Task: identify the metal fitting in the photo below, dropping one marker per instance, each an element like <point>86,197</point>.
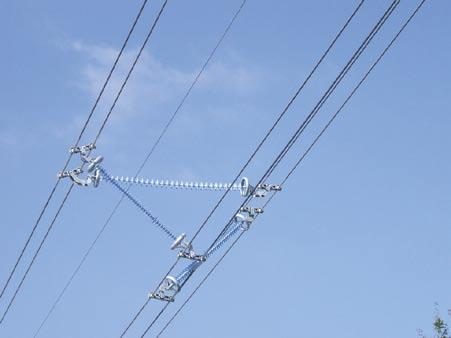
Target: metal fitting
<point>192,255</point>
<point>246,216</point>
<point>167,290</point>
<point>246,189</point>
<point>186,249</point>
<point>93,177</point>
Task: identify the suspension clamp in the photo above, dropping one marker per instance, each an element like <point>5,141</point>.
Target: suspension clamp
<point>167,290</point>
<point>93,177</point>
<point>246,216</point>
<point>186,249</point>
<point>158,296</point>
<point>191,255</point>
<point>83,150</point>
<point>259,191</point>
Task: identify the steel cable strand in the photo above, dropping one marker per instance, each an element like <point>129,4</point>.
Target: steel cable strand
<point>135,61</point>
<point>301,158</point>
<point>335,115</point>
<point>324,98</point>
<point>281,115</point>
<point>35,255</point>
<point>317,107</point>
<point>98,135</point>
<point>107,80</point>
<point>117,205</point>
<point>320,103</point>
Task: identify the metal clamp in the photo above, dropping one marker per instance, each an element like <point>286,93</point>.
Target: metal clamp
<point>93,176</point>
<point>83,150</point>
<point>167,290</point>
<point>246,189</point>
<point>192,255</point>
<point>158,296</point>
<point>246,216</point>
<point>186,249</point>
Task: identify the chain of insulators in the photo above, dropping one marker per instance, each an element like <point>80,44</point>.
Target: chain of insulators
<point>154,220</point>
<point>189,270</point>
<point>174,184</point>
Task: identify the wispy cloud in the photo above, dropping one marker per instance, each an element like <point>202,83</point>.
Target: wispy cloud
<point>154,83</point>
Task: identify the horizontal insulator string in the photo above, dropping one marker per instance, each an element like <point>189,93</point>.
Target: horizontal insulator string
<point>173,184</point>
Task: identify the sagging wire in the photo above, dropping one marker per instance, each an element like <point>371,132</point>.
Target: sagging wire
<point>264,139</point>
<point>324,129</point>
<point>104,122</point>
<point>147,157</point>
<point>320,103</point>
<point>93,108</point>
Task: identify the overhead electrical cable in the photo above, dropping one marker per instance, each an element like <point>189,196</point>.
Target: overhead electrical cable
<point>146,159</point>
<point>35,255</point>
<point>97,136</point>
<point>320,103</point>
<point>135,61</point>
<point>107,80</point>
<point>282,114</point>
<point>331,120</point>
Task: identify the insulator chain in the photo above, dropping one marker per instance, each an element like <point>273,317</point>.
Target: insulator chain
<point>242,221</point>
<point>243,187</point>
<point>94,176</point>
<point>172,285</point>
<point>154,219</point>
<point>176,184</point>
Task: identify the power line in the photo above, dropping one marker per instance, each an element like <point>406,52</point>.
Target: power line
<point>124,83</point>
<point>331,120</point>
<point>36,253</point>
<point>282,114</point>
<point>97,136</point>
<point>197,287</point>
<point>304,124</point>
<point>147,157</point>
<point>299,90</point>
<point>107,80</point>
<point>320,103</point>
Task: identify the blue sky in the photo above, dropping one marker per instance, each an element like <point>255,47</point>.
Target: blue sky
<point>357,243</point>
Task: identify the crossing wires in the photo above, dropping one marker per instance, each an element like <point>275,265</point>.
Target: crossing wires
<point>308,119</point>
<point>300,160</point>
<point>144,162</point>
<point>278,119</point>
<point>124,82</point>
<point>91,112</point>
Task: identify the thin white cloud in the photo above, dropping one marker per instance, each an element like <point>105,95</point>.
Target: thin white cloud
<point>153,83</point>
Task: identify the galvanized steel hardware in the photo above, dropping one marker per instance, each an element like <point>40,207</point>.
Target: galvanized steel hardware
<point>246,189</point>
<point>167,290</point>
<point>93,173</point>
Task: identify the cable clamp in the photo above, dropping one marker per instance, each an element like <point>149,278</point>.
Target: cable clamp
<point>83,150</point>
<point>93,177</point>
<point>167,290</point>
<point>192,255</point>
<point>246,216</point>
<point>246,189</point>
<point>186,249</point>
<point>158,296</point>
